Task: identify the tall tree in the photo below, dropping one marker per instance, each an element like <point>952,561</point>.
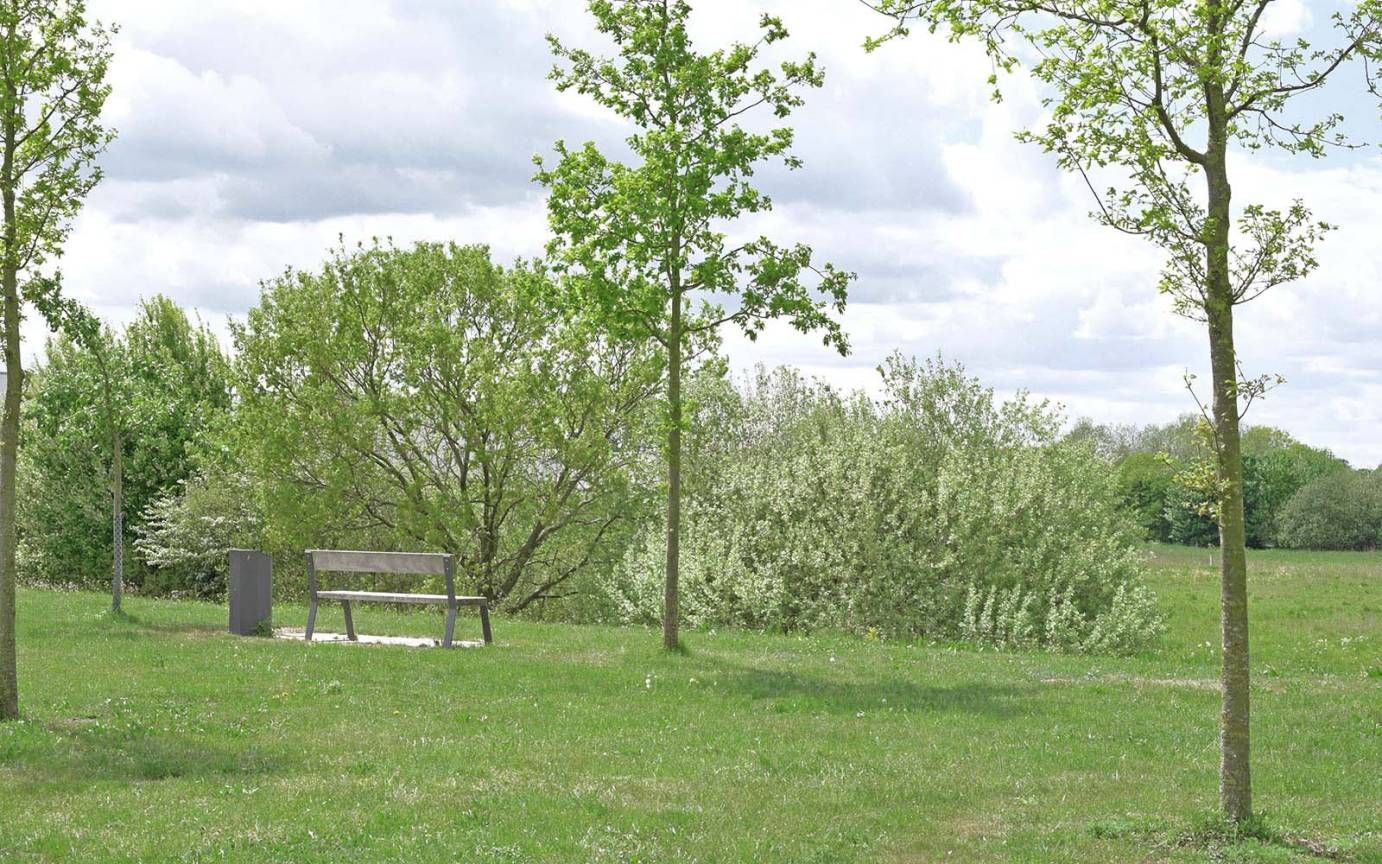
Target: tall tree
<point>115,425</point>
<point>52,87</point>
<point>1158,93</point>
<point>109,361</point>
<point>639,243</point>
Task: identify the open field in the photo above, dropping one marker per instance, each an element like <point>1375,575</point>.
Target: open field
<point>158,738</point>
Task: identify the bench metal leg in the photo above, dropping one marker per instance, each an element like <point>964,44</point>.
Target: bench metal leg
<point>484,623</point>
<point>311,618</point>
<point>350,622</point>
<point>450,625</point>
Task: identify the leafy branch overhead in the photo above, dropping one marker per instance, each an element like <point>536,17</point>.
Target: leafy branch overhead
<point>1131,83</point>
<point>623,232</point>
<point>54,76</point>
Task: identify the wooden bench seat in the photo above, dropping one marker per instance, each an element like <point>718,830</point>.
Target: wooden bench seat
<point>388,597</point>
<point>398,563</point>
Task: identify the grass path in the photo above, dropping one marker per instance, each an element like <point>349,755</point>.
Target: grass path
<point>159,738</point>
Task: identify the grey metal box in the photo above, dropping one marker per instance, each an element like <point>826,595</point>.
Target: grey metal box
<point>251,591</point>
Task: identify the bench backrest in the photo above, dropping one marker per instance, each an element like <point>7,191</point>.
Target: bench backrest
<point>419,563</point>
<point>398,563</point>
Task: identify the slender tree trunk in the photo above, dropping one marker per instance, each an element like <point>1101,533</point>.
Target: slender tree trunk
<point>117,523</point>
<point>117,480</point>
<point>670,639</point>
<point>9,446</point>
<point>9,441</point>
<point>1235,776</point>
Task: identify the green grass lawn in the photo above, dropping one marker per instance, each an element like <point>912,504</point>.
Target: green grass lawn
<point>160,738</point>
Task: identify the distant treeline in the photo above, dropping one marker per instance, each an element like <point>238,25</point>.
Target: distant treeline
<point>1295,495</point>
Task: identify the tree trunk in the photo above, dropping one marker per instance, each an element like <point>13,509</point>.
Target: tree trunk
<point>9,445</point>
<point>117,526</point>
<point>117,479</point>
<point>1235,777</point>
<point>670,638</point>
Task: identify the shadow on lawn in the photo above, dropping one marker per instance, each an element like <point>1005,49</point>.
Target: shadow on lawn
<point>132,623</point>
<point>998,701</point>
<point>90,753</point>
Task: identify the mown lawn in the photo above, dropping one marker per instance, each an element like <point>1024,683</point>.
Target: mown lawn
<point>160,738</point>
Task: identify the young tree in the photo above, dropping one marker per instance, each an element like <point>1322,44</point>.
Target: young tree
<point>108,360</point>
<point>110,423</point>
<point>52,87</point>
<point>1159,93</point>
<point>105,351</point>
<point>638,243</point>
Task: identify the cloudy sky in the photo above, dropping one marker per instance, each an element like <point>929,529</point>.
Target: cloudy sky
<point>253,133</point>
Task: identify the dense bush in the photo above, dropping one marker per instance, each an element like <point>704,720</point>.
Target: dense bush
<point>1340,510</point>
<point>169,381</point>
<point>935,512</point>
<point>185,533</point>
<point>1273,474</point>
<point>1187,517</point>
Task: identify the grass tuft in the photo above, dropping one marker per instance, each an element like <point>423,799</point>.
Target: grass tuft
<point>1214,828</point>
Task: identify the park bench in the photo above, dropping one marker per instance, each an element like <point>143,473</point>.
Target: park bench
<point>397,563</point>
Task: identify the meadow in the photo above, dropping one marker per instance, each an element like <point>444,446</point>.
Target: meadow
<point>155,736</point>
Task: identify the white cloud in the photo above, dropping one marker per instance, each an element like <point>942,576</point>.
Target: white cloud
<point>173,119</point>
<point>1286,18</point>
<point>1114,315</point>
<point>254,132</point>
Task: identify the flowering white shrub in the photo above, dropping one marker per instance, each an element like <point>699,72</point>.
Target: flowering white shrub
<point>185,534</point>
<point>935,512</point>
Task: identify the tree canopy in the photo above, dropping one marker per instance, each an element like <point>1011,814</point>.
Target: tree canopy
<point>426,398</point>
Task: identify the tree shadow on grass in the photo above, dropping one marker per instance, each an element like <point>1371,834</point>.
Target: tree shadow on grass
<point>119,625</point>
<point>128,622</point>
<point>872,694</point>
<point>83,751</point>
